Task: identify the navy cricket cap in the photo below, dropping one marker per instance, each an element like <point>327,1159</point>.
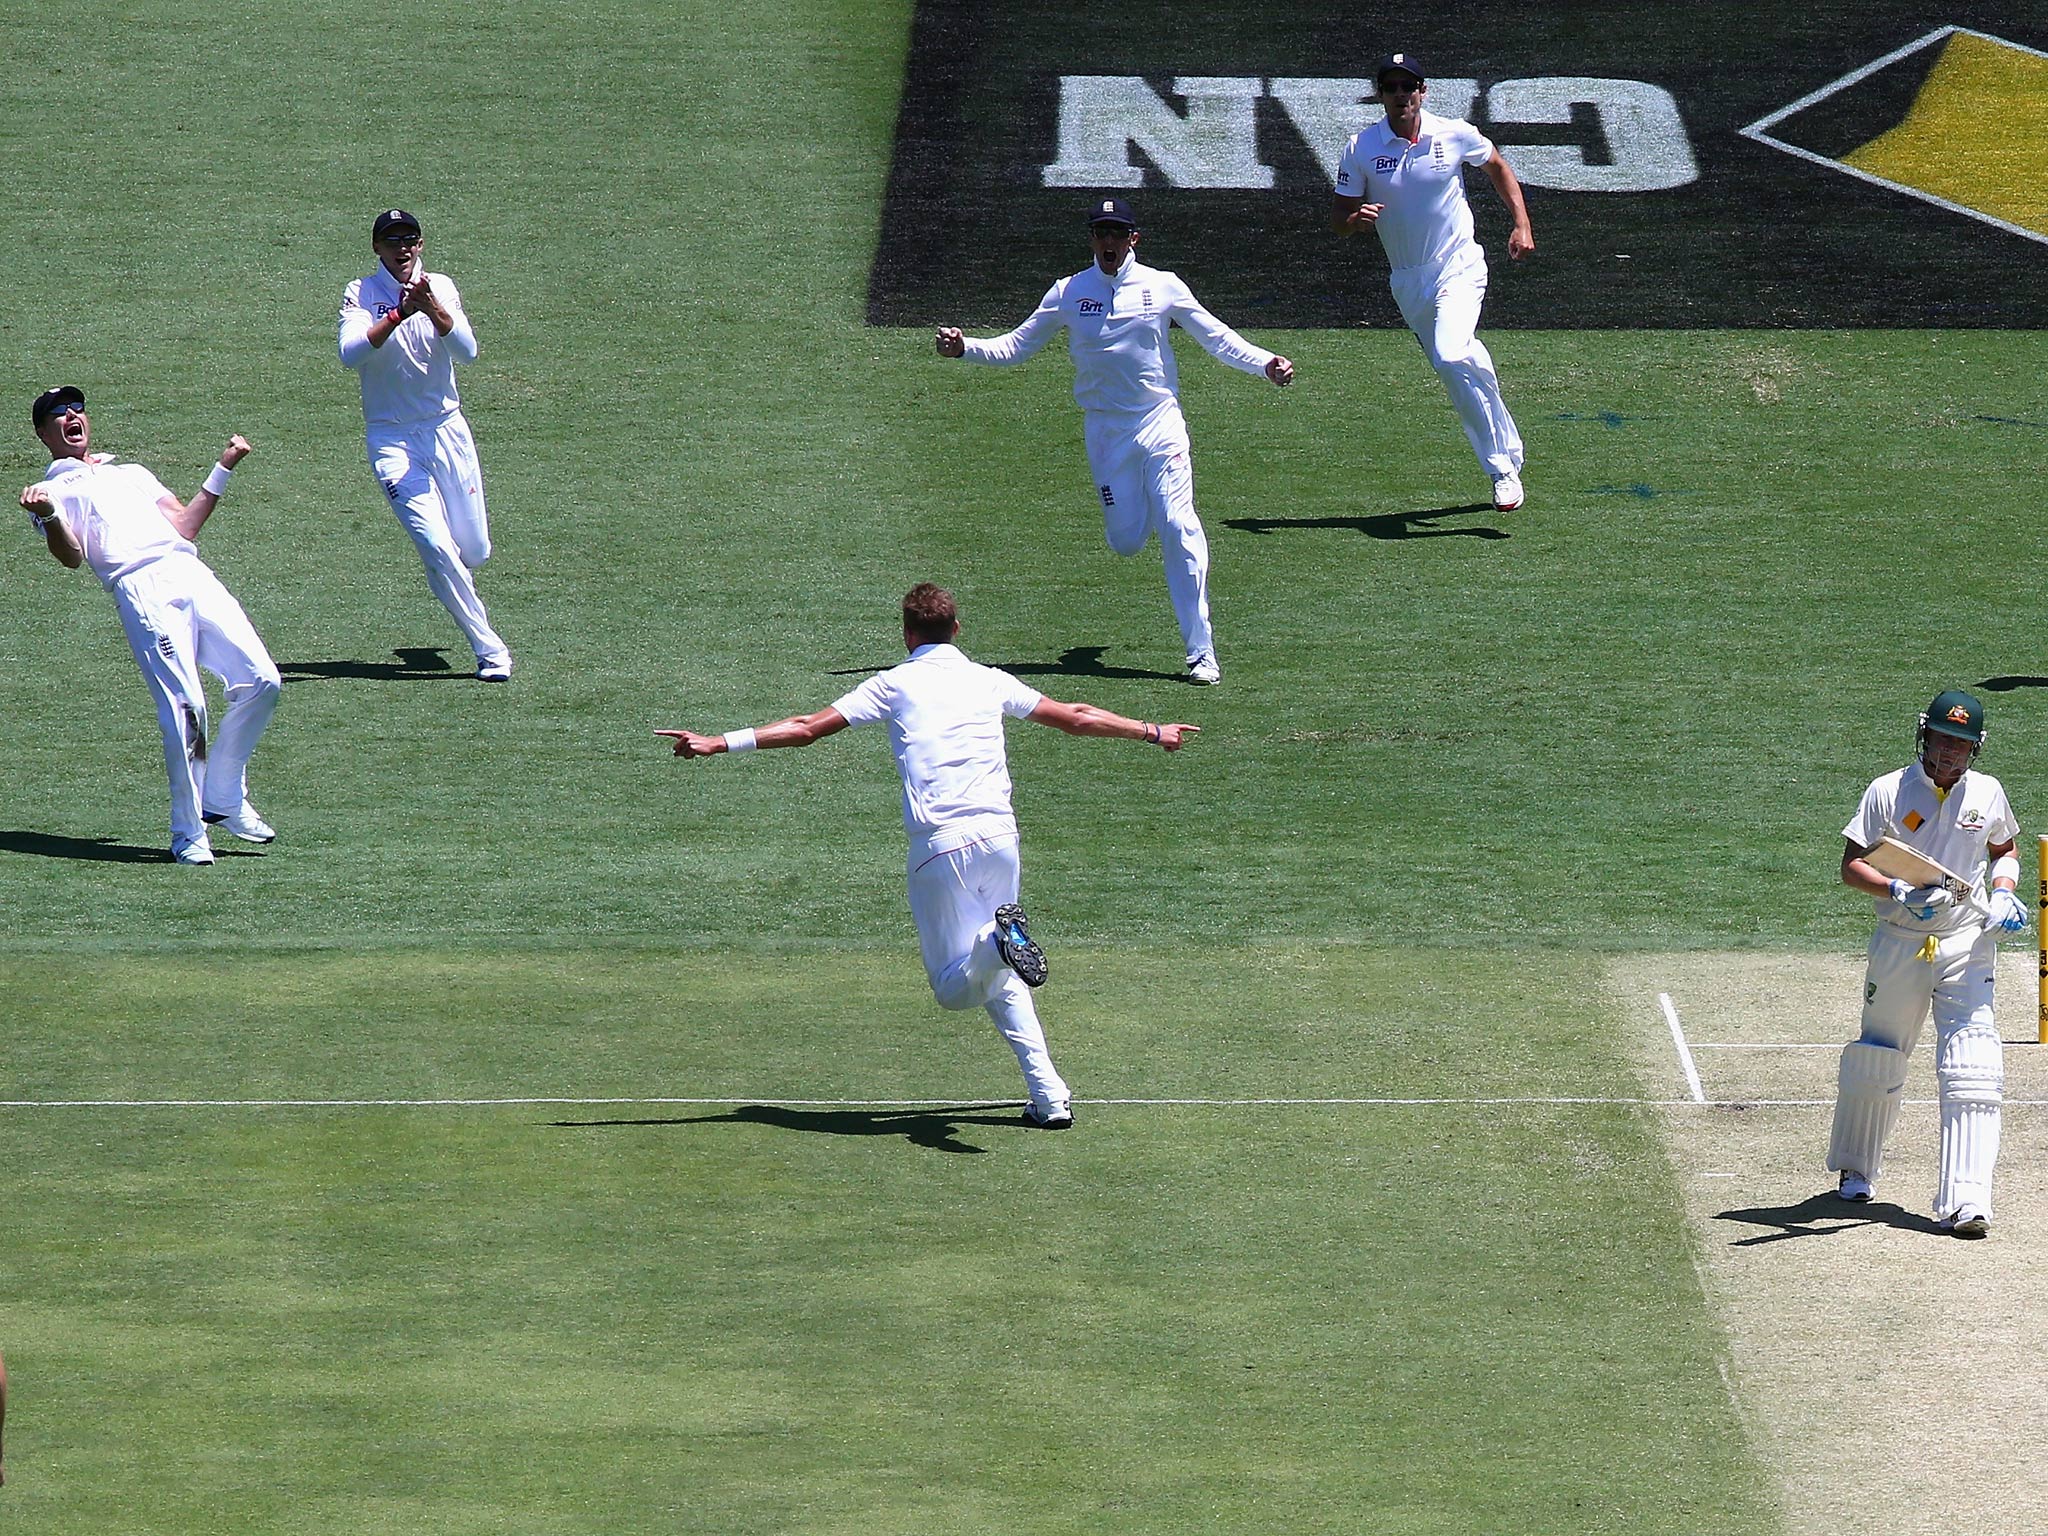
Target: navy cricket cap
<point>51,400</point>
<point>1399,64</point>
<point>1111,210</point>
<point>393,218</point>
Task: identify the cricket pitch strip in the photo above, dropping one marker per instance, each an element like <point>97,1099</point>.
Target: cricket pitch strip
<point>1887,1371</point>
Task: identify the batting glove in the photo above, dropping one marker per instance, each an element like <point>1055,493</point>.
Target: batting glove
<point>1923,901</point>
<point>2008,911</point>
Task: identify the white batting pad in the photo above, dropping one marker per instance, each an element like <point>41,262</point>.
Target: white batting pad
<point>1867,1095</point>
<point>1971,1070</point>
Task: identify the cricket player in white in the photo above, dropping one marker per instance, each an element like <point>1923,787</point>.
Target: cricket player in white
<point>403,330</point>
<point>119,520</point>
<point>945,717</point>
<point>1404,176</point>
<point>1932,949</point>
<point>1117,314</point>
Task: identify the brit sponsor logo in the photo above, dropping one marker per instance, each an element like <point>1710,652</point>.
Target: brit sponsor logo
<point>1091,307</point>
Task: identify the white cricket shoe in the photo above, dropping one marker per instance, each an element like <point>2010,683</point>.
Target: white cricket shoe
<point>494,669</point>
<point>1853,1187</point>
<point>242,822</point>
<point>1507,492</point>
<point>1052,1117</point>
<point>1968,1221</point>
<point>1204,670</point>
<point>192,850</point>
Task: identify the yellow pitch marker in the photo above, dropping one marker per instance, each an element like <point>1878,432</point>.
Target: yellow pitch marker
<point>1977,134</point>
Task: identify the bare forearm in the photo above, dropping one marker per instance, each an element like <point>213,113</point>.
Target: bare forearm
<point>1093,720</point>
<point>197,511</point>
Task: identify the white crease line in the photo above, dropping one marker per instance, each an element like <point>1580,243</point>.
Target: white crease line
<point>1526,1101</point>
<point>1692,1073</point>
<point>1754,1045</point>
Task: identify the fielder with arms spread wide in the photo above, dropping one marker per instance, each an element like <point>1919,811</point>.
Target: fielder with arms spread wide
<point>945,718</point>
<point>1934,949</point>
<point>1117,313</point>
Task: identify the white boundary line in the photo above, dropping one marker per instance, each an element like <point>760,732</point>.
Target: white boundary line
<point>1692,1072</point>
<point>1759,130</point>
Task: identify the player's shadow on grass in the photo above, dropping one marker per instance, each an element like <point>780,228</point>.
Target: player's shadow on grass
<point>1823,1215</point>
<point>1420,524</point>
<point>2008,684</point>
<point>414,662</point>
<point>53,845</point>
<point>935,1129</point>
<point>1074,661</point>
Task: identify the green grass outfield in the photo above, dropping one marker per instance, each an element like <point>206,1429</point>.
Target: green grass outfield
<point>1447,773</point>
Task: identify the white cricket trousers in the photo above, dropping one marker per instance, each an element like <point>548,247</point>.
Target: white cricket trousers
<point>1147,484</point>
<point>1910,974</point>
<point>429,471</point>
<point>953,899</point>
<point>1440,301</point>
<point>179,618</point>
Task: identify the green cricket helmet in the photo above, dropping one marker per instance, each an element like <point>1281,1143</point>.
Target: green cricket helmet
<point>1953,713</point>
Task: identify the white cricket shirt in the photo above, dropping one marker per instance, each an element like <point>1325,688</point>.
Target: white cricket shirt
<point>1422,185</point>
<point>1954,831</point>
<point>1117,334</point>
<point>410,378</point>
<point>945,716</point>
<point>111,510</point>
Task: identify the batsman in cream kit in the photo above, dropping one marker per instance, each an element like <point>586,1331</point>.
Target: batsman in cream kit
<point>1935,949</point>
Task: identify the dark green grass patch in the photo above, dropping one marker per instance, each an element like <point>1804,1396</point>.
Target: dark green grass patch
<point>752,1317</point>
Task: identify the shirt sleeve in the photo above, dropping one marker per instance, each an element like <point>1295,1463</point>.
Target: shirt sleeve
<point>355,326</point>
<point>1018,698</point>
<point>154,488</point>
<point>2003,826</point>
<point>1474,147</point>
<point>1015,346</point>
<point>1872,816</point>
<point>868,704</point>
<point>462,340</point>
<point>1216,338</point>
<point>1351,169</point>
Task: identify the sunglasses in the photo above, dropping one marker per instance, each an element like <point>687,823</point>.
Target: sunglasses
<point>68,408</point>
<point>1403,86</point>
<point>403,242</point>
<point>1110,231</point>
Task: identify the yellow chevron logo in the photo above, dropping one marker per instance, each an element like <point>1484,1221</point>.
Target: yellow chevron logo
<point>1977,134</point>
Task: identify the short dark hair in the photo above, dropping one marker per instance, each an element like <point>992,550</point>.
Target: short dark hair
<point>930,614</point>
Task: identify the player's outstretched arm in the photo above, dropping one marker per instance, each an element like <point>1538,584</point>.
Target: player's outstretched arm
<point>1521,239</point>
<point>796,731</point>
<point>1091,720</point>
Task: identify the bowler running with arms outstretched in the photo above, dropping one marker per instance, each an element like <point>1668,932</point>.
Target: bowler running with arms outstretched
<point>945,718</point>
<point>403,330</point>
<point>1404,178</point>
<point>1117,315</point>
<point>1935,950</point>
<point>121,522</point>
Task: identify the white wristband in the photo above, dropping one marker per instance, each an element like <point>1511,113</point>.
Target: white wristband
<point>739,741</point>
<point>217,480</point>
<point>2006,867</point>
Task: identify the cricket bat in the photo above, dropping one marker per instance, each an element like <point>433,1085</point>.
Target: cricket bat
<point>1896,861</point>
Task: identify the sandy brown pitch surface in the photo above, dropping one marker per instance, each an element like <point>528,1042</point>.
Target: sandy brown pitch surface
<point>1895,1376</point>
